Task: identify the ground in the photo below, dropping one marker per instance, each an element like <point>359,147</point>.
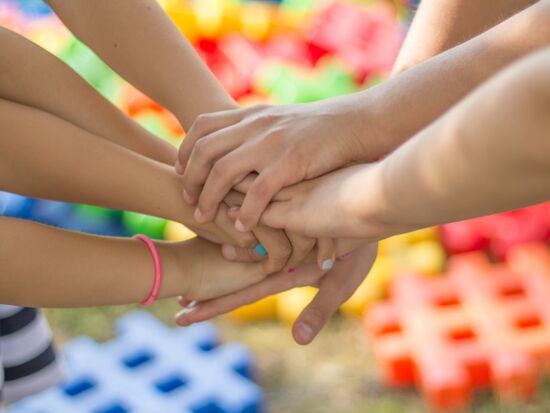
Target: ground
<point>335,374</point>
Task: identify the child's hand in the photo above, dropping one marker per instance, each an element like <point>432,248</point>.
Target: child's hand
<point>334,289</point>
<point>286,250</point>
<point>332,205</point>
<point>207,273</point>
<point>284,144</point>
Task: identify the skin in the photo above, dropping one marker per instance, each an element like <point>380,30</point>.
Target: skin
<point>428,37</point>
<point>140,42</point>
<point>498,134</point>
<point>288,144</point>
<point>71,269</point>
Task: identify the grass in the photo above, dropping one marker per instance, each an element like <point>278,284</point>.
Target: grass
<point>335,374</point>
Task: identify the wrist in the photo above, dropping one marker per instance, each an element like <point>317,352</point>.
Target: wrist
<point>365,135</point>
<point>175,279</point>
<point>376,212</point>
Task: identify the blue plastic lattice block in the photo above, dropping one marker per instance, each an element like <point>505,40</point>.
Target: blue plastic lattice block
<point>150,368</point>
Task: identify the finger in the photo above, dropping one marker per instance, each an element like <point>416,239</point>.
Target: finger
<point>234,253</point>
<point>204,154</point>
<point>277,246</point>
<point>301,247</point>
<point>204,125</point>
<point>245,184</point>
<point>326,253</point>
<point>227,225</point>
<point>226,172</point>
<point>276,283</point>
<point>259,195</point>
<point>335,288</point>
<point>277,214</point>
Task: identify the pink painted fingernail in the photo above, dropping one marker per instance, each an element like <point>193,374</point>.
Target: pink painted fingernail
<point>345,256</point>
<point>293,269</point>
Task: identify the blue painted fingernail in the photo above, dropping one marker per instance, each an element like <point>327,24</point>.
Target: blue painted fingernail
<point>327,264</point>
<point>260,249</point>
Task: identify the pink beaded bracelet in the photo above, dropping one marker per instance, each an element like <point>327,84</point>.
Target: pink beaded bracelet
<point>158,269</point>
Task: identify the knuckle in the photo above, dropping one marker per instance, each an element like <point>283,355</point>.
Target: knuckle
<point>202,121</point>
<point>262,189</point>
<point>219,169</point>
<point>201,148</point>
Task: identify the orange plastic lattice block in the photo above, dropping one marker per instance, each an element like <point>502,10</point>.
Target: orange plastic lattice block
<point>480,325</point>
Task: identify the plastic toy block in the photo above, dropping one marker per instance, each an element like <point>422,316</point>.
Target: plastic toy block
<point>498,233</point>
<point>367,39</point>
<point>148,368</point>
<point>288,83</point>
<point>136,223</point>
<point>481,325</point>
<point>174,231</point>
<point>292,302</point>
<point>260,310</point>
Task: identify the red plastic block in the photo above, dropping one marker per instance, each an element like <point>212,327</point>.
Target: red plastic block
<point>367,39</point>
<point>480,325</point>
<point>498,233</point>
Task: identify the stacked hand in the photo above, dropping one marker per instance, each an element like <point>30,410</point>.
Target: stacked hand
<point>272,167</point>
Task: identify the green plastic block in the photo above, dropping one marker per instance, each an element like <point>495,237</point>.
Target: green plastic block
<point>136,223</point>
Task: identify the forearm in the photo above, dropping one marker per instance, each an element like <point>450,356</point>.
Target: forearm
<point>488,154</point>
<point>48,267</point>
<point>403,105</point>
<point>31,76</point>
<point>138,40</point>
<point>439,25</point>
<point>46,157</point>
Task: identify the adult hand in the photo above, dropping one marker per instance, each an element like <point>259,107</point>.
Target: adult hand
<point>347,203</point>
<point>334,289</point>
<point>283,144</point>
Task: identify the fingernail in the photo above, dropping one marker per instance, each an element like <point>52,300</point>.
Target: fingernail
<point>239,226</point>
<point>304,332</point>
<point>260,249</point>
<point>327,264</point>
<point>229,252</point>
<point>345,256</point>
<point>199,217</point>
<point>187,198</point>
<point>293,269</point>
<point>188,309</point>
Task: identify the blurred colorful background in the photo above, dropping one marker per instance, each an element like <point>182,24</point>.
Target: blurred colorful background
<point>449,318</point>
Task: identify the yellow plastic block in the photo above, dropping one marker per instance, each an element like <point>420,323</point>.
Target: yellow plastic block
<point>184,18</point>
<point>397,243</point>
<point>373,288</point>
<point>427,257</point>
<point>291,303</point>
<point>175,231</point>
<point>260,310</point>
<point>257,20</point>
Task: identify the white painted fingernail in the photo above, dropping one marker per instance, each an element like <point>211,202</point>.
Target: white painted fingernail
<point>190,307</point>
<point>327,264</point>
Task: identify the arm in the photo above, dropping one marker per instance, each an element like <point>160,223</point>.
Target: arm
<point>140,42</point>
<point>440,25</point>
<point>288,144</point>
<point>83,168</point>
<point>72,269</point>
<point>29,75</point>
<point>488,154</point>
